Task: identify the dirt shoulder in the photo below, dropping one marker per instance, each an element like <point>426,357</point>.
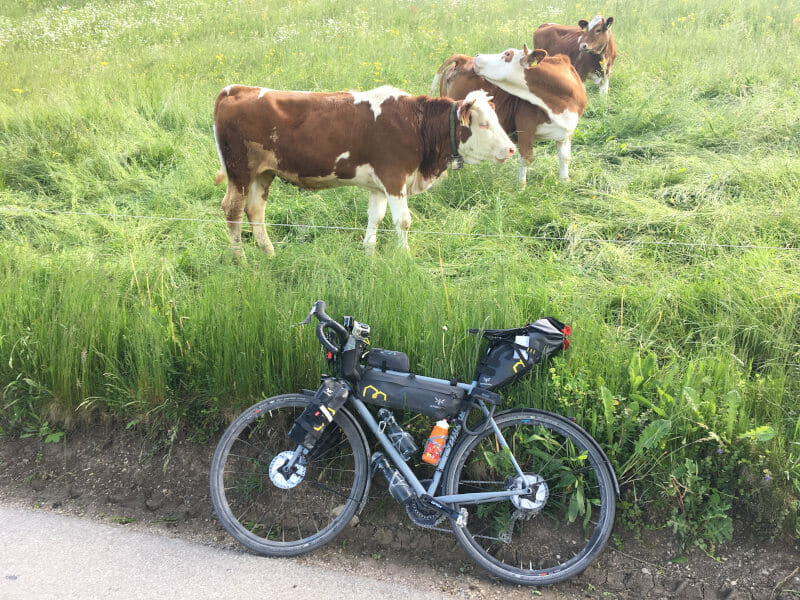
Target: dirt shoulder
<point>118,476</point>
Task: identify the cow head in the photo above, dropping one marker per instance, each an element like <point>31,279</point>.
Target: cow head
<point>507,70</point>
<point>487,140</point>
<point>596,34</point>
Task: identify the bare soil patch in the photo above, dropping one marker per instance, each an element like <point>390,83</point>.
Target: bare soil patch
<point>120,476</point>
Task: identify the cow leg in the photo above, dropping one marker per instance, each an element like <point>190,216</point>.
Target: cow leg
<point>564,148</point>
<point>233,207</point>
<point>256,202</point>
<point>604,83</point>
<point>525,143</point>
<point>375,212</point>
<point>402,219</point>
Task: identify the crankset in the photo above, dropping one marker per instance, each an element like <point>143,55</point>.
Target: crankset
<point>422,515</point>
<point>431,509</point>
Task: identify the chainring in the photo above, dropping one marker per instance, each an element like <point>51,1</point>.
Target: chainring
<point>422,515</point>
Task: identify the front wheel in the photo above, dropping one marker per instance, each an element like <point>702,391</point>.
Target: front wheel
<point>276,514</point>
<point>560,527</point>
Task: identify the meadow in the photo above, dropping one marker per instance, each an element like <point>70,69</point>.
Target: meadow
<point>673,251</point>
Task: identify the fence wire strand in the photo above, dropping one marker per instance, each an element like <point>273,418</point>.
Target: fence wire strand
<point>541,238</point>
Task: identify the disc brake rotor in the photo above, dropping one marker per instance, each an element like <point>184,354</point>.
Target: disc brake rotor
<point>278,478</point>
<point>535,501</point>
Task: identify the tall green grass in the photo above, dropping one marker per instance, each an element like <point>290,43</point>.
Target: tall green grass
<point>672,251</point>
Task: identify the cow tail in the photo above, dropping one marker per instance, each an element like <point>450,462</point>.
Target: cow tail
<point>458,59</point>
<point>435,84</point>
<point>222,173</point>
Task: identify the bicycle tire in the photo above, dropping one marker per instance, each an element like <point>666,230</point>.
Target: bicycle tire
<point>245,488</point>
<point>556,532</point>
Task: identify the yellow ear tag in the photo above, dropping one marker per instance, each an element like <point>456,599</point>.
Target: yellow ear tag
<point>465,119</point>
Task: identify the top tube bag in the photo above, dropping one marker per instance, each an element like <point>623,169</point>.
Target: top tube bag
<point>513,352</point>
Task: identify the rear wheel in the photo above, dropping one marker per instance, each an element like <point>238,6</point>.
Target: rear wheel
<point>284,514</point>
<point>557,530</point>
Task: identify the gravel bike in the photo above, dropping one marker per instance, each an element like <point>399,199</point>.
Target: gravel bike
<point>529,494</point>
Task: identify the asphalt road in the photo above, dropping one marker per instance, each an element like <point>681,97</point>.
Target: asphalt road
<point>46,555</point>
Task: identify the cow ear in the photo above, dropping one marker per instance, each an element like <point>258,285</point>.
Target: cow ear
<point>609,21</point>
<point>526,57</point>
<point>464,112</point>
<point>583,23</point>
<point>535,57</point>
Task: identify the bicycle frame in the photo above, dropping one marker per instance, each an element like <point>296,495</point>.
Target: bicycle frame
<point>411,477</point>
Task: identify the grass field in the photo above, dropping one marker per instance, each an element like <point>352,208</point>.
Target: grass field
<point>672,251</point>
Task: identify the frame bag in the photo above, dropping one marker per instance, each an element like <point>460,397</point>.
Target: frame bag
<point>406,391</point>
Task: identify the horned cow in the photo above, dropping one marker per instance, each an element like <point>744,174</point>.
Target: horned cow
<point>536,96</point>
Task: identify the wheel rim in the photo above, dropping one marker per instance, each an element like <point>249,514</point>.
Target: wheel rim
<point>554,532</point>
<point>265,508</point>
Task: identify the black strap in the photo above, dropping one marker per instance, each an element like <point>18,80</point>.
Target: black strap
<point>456,160</point>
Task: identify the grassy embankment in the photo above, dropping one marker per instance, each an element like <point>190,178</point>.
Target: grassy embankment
<point>666,252</point>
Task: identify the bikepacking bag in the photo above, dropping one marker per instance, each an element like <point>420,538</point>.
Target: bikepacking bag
<point>388,360</point>
<point>513,352</point>
<point>408,392</point>
<point>309,426</point>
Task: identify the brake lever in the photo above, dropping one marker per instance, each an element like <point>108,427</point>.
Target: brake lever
<point>307,320</point>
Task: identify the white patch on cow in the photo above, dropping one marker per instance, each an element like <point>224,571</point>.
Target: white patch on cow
<point>510,76</point>
<point>274,135</point>
<point>597,19</point>
<point>559,128</point>
<point>377,97</point>
<point>342,156</point>
<point>227,89</point>
<point>262,91</point>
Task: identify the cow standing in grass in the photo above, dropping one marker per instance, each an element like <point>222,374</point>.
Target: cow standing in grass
<point>590,46</point>
<point>393,144</point>
<point>548,108</point>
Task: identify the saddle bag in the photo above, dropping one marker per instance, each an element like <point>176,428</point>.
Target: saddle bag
<point>406,391</point>
<point>513,352</point>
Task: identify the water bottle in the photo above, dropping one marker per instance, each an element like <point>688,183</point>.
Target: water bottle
<point>401,440</point>
<point>398,486</point>
<point>436,442</point>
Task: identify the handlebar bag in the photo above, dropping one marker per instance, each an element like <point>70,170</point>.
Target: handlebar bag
<point>407,392</point>
<point>513,352</point>
<point>388,360</point>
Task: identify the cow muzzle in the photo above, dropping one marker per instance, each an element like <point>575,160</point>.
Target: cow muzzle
<point>502,157</point>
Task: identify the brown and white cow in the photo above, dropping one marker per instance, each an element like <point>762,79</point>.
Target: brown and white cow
<point>548,110</point>
<point>590,46</point>
<point>393,144</point>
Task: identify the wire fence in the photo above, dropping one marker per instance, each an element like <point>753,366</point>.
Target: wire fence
<point>545,238</point>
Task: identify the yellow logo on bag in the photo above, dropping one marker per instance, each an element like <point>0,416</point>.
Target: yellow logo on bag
<point>519,364</point>
<point>375,395</point>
